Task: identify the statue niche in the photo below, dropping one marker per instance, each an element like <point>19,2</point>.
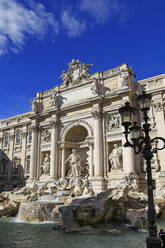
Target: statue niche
<point>76,162</point>
<point>45,167</point>
<point>115,158</point>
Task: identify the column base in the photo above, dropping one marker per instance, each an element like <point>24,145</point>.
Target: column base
<point>117,179</point>
<point>99,184</point>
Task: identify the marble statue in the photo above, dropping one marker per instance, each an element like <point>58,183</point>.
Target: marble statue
<point>115,158</point>
<point>66,78</point>
<point>35,106</point>
<point>124,75</point>
<point>46,165</point>
<point>75,165</point>
<point>95,88</point>
<point>87,189</point>
<point>62,184</point>
<point>77,187</point>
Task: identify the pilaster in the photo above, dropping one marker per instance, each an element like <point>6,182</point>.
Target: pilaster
<point>33,161</point>
<point>63,161</point>
<point>91,169</point>
<point>98,163</point>
<point>11,150</point>
<point>54,148</point>
<point>128,152</point>
<point>23,150</point>
<point>160,125</point>
<point>98,181</point>
<point>1,140</point>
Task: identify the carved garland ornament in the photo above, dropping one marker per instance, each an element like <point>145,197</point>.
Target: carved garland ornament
<point>113,122</point>
<point>45,136</point>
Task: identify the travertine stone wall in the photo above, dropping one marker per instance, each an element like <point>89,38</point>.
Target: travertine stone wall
<point>82,114</point>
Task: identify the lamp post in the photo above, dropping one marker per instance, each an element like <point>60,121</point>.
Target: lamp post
<point>143,143</point>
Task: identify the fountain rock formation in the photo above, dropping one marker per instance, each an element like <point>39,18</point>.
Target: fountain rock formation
<point>72,201</point>
<point>37,212</point>
<point>113,204</point>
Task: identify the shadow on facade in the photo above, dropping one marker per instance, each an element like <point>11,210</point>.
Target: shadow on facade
<point>11,173</point>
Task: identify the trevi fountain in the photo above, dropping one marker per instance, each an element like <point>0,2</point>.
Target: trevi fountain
<point>66,179</point>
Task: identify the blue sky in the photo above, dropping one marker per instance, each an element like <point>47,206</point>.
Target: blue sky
<point>38,38</point>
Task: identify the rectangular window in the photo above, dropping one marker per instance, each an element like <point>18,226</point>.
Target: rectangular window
<point>18,138</point>
<point>29,136</point>
<point>6,139</point>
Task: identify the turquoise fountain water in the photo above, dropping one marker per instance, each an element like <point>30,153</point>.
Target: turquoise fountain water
<point>21,235</point>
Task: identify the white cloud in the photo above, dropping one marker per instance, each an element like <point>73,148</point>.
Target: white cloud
<point>72,25</point>
<point>17,22</point>
<point>103,10</point>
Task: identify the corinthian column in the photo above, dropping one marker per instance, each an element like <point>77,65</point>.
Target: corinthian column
<point>11,151</point>
<point>1,140</point>
<point>33,161</point>
<point>23,151</point>
<point>54,150</point>
<point>160,124</point>
<point>128,152</point>
<point>98,165</point>
<point>63,162</point>
<point>90,144</point>
<point>128,158</point>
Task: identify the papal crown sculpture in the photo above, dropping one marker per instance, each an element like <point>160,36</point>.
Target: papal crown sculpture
<point>73,133</point>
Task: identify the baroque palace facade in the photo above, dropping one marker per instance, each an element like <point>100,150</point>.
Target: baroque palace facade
<point>74,130</point>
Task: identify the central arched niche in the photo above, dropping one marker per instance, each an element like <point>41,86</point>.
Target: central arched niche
<point>75,138</point>
<point>76,133</point>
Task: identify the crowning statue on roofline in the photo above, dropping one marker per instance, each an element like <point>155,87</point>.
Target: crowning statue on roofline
<point>76,73</point>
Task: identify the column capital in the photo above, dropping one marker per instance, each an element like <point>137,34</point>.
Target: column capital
<point>53,123</point>
<point>34,129</point>
<point>97,114</point>
<point>61,144</point>
<point>158,105</point>
<point>90,141</point>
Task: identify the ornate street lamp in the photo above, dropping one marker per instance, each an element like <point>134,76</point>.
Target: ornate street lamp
<point>143,144</point>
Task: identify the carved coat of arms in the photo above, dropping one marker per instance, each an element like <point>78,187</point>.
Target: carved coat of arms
<point>76,73</point>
